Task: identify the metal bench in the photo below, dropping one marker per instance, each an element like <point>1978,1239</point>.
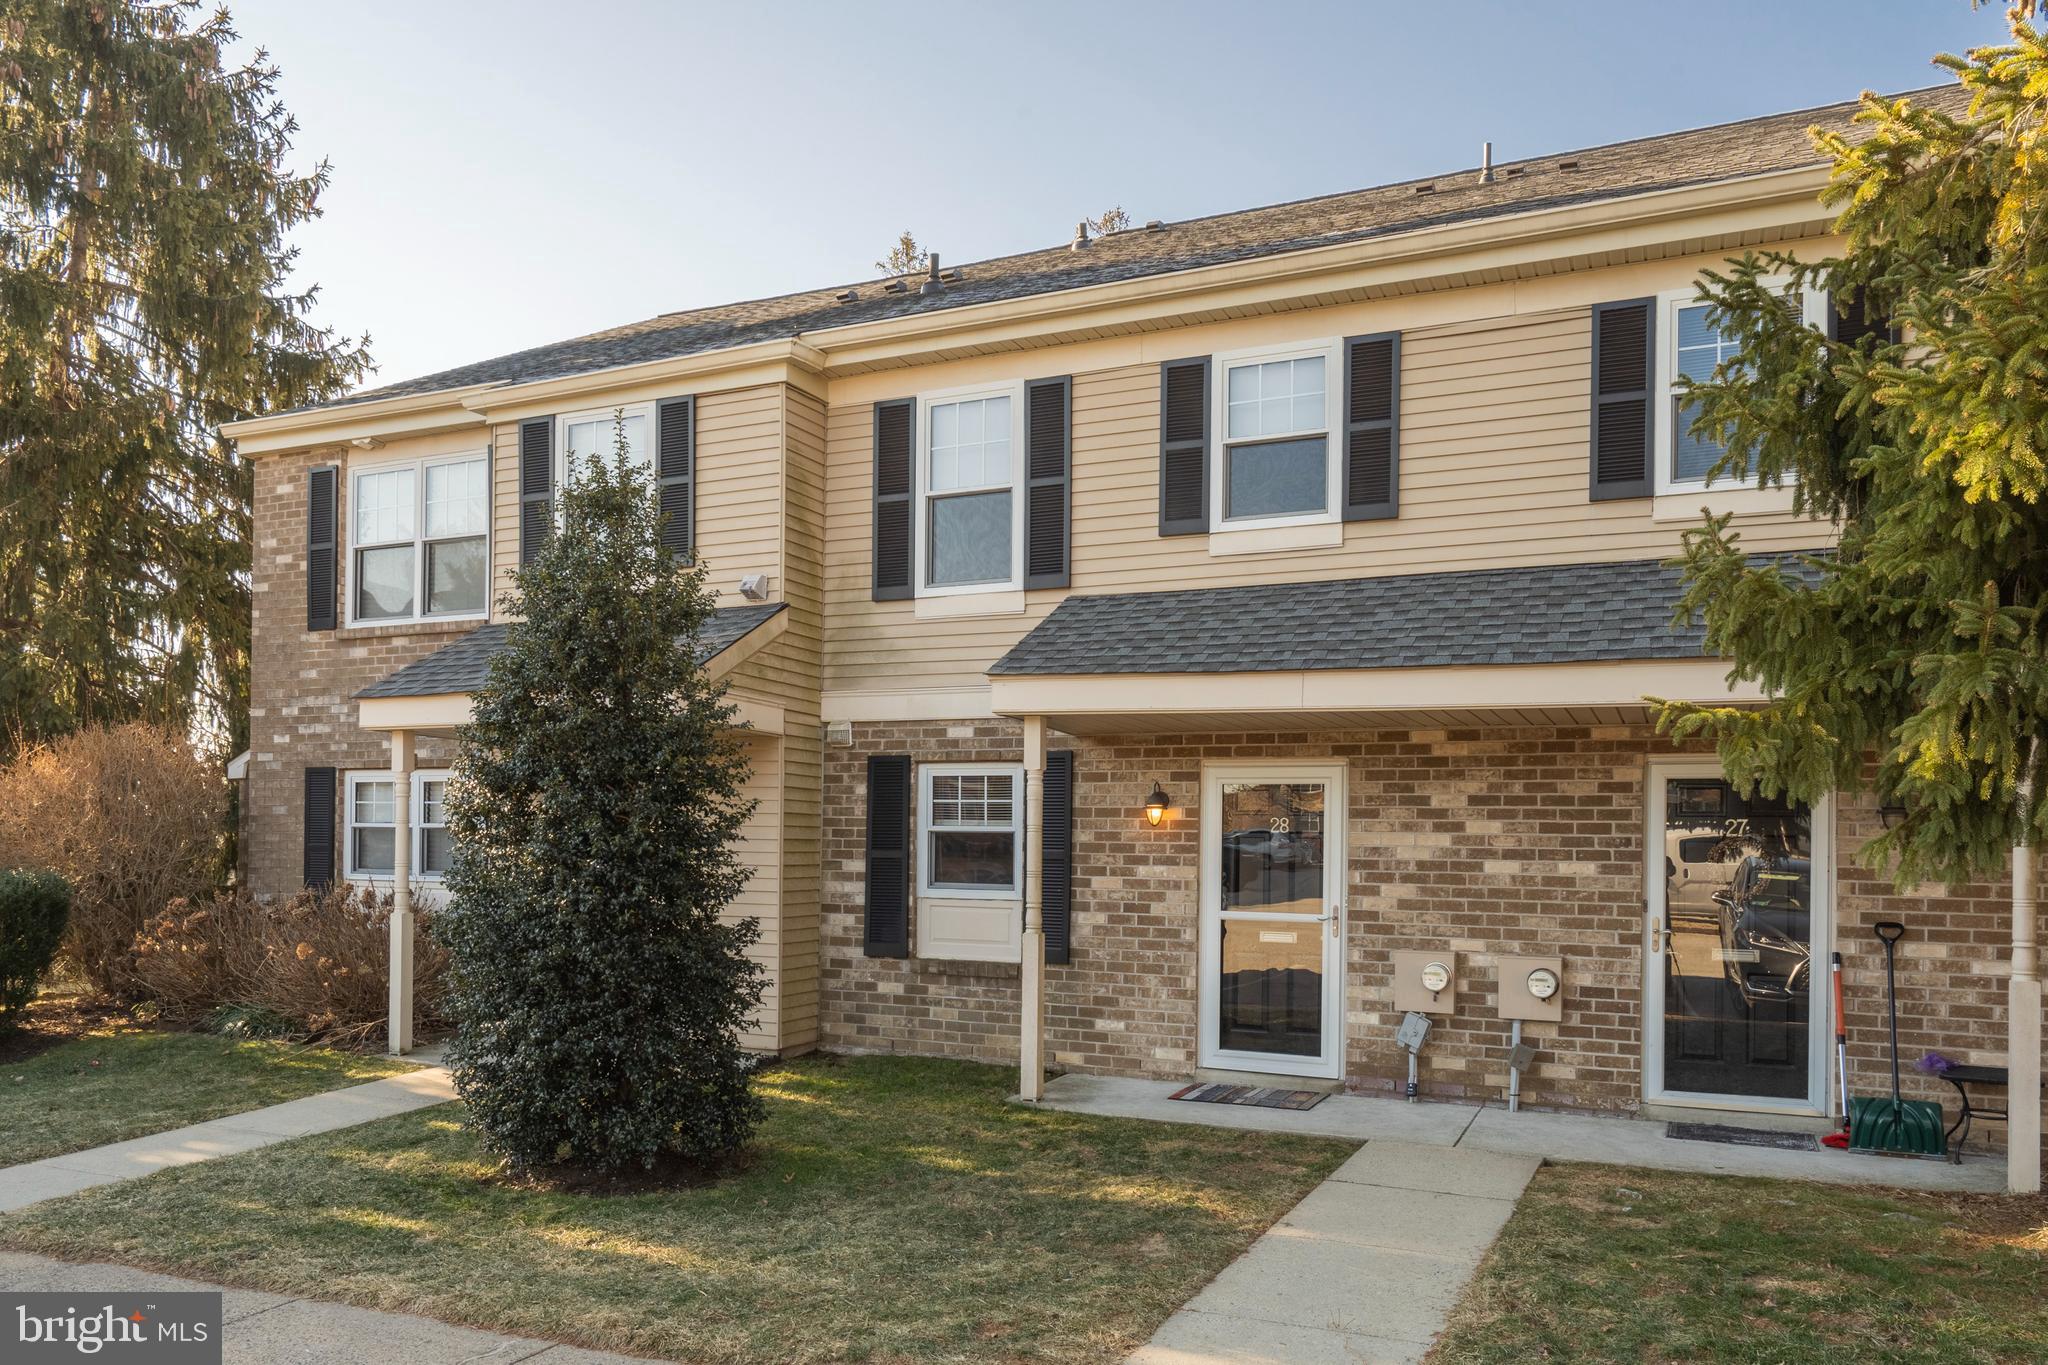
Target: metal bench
<point>1962,1078</point>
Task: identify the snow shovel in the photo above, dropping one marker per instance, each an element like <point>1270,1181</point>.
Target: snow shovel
<point>1878,1124</point>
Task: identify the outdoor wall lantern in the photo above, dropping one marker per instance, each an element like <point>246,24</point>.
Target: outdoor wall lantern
<point>1891,817</point>
<point>1156,805</point>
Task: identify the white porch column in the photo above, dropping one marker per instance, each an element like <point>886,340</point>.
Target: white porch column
<point>398,1025</point>
<point>2023,1034</point>
<point>1031,1052</point>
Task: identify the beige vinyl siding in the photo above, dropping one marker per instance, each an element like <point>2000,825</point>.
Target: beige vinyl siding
<point>1494,421</point>
<point>760,852</point>
<point>803,756</point>
<point>739,490</point>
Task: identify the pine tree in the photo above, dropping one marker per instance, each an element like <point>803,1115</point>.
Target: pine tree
<point>1914,659</point>
<point>595,807</point>
<point>144,300</point>
<point>1920,639</point>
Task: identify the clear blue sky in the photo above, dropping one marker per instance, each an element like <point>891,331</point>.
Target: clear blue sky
<point>513,173</point>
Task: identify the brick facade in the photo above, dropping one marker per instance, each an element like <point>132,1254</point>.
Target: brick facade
<point>1485,842</point>
<point>302,683</point>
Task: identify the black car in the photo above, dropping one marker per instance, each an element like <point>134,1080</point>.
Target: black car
<point>1767,928</point>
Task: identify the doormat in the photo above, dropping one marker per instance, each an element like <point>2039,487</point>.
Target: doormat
<point>1739,1137</point>
<point>1259,1097</point>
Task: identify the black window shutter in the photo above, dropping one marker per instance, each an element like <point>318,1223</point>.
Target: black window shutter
<point>1056,889</point>
<point>1048,436</point>
<point>894,451</point>
<point>320,801</point>
<point>322,547</point>
<point>1624,370</point>
<point>536,485</point>
<point>1372,427</point>
<point>888,890</point>
<point>676,472</point>
<point>1855,319</point>
<point>1184,447</point>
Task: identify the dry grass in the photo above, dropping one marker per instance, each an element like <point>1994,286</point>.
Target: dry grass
<point>1610,1263</point>
<point>891,1210</point>
<point>319,959</point>
<point>127,814</point>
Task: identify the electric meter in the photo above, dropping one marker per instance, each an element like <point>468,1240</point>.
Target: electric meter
<point>1435,976</point>
<point>1543,983</point>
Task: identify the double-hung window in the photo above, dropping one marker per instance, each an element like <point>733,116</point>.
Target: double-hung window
<point>1276,408</point>
<point>970,830</point>
<point>595,434</point>
<point>1691,347</point>
<point>371,833</point>
<point>970,447</point>
<point>420,534</point>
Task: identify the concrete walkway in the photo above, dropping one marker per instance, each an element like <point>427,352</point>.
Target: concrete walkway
<point>1552,1137</point>
<point>34,1181</point>
<point>1365,1269</point>
<point>274,1329</point>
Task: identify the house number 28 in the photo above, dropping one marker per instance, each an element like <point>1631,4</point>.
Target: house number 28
<point>1278,824</point>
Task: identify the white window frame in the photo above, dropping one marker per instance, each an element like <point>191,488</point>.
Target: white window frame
<point>419,468</point>
<point>1813,311</point>
<point>605,416</point>
<point>921,509</point>
<point>1331,350</point>
<point>925,773</point>
<point>380,876</point>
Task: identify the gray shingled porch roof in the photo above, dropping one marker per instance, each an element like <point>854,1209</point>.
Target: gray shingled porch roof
<point>463,665</point>
<point>1616,170</point>
<point>1546,614</point>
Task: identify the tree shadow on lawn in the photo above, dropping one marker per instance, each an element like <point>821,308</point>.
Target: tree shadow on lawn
<point>892,1209</point>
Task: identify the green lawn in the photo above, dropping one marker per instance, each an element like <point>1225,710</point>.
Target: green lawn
<point>127,1082</point>
<point>1609,1263</point>
<point>891,1210</point>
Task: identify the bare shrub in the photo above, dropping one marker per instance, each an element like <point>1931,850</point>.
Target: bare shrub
<point>319,959</point>
<point>127,814</point>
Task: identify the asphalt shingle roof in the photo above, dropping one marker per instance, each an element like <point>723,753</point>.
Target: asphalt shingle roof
<point>1670,161</point>
<point>1547,614</point>
<point>463,665</point>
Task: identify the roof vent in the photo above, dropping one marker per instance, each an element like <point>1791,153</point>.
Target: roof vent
<point>932,283</point>
<point>1154,225</point>
<point>1080,242</point>
<point>1568,165</point>
<point>1486,163</point>
<point>1513,171</point>
<point>895,287</point>
<point>1425,189</point>
<point>951,277</point>
<point>849,296</point>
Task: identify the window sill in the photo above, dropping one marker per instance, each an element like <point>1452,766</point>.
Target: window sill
<point>994,602</point>
<point>426,625</point>
<point>1319,535</point>
<point>1744,501</point>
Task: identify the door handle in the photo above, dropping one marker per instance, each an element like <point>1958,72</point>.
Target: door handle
<point>1660,936</point>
